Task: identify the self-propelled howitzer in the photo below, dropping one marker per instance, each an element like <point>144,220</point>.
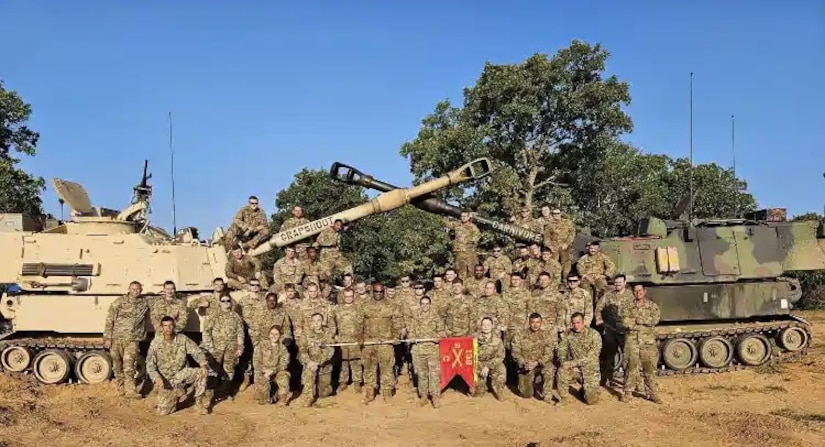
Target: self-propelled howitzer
<point>388,201</point>
<point>351,176</point>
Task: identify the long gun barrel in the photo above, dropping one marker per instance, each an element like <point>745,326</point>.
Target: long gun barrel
<point>351,176</point>
<point>388,201</point>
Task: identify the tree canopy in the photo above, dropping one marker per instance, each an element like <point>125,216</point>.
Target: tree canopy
<point>19,190</point>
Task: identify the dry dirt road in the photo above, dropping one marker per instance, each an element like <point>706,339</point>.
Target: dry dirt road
<point>774,406</point>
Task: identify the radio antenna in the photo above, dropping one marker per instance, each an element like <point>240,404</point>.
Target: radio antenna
<point>690,206</point>
<point>172,163</point>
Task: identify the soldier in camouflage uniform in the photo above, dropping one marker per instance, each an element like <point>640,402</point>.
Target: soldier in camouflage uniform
<point>349,319</point>
<point>248,304</point>
<point>362,293</point>
<point>287,270</point>
<point>465,243</point>
<point>317,360</point>
<point>499,266</point>
<point>523,264</point>
<point>546,301</point>
<point>548,264</point>
<point>123,330</point>
<point>517,298</point>
<point>223,340</point>
<point>314,269</point>
<point>405,291</point>
<point>533,351</point>
<point>297,220</point>
<point>329,241</point>
<point>474,285</point>
<point>526,220</point>
<point>575,299</point>
<point>490,361</point>
<point>426,324</point>
<point>168,304</point>
<point>640,318</point>
<point>241,268</point>
<point>490,305</point>
<point>578,354</point>
<point>312,304</point>
<point>250,222</point>
<point>458,313</point>
<point>166,365</point>
<point>272,365</point>
<point>595,269</point>
<point>559,234</point>
<point>382,321</point>
<point>608,320</point>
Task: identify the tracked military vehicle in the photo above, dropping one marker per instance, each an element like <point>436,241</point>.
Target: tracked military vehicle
<point>68,273</point>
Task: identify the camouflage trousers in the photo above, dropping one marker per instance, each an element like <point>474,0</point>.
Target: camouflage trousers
<point>596,287</point>
<point>352,366</point>
<point>224,360</point>
<point>124,355</point>
<point>496,376</point>
<point>263,386</point>
<point>587,374</point>
<point>427,363</point>
<point>382,357</point>
<point>527,380</point>
<point>167,400</point>
<point>336,261</point>
<point>234,233</point>
<point>237,285</point>
<point>563,258</point>
<point>465,262</point>
<point>316,383</point>
<point>645,355</point>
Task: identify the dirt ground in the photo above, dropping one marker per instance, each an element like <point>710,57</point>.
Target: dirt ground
<point>773,406</point>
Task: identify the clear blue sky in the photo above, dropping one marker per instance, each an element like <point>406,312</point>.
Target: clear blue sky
<point>259,90</point>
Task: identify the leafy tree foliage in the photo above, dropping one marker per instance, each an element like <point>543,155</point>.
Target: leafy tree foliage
<point>383,246</point>
<point>813,282</point>
<point>19,191</point>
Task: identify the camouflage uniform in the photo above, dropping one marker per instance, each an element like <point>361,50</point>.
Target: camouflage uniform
<point>292,222</point>
<point>517,301</point>
<point>160,306</point>
<point>552,267</point>
<point>491,356</point>
<point>607,314</point>
<point>489,306</point>
<point>271,365</point>
<point>310,351</point>
<point>579,352</point>
<point>594,271</point>
<point>527,222</point>
<point>475,286</point>
<point>307,307</point>
<point>577,300</point>
<point>382,321</point>
<point>125,327</point>
<point>537,346</point>
<point>546,303</point>
<point>314,271</point>
<point>532,267</point>
<point>240,271</point>
<point>264,318</point>
<point>458,314</point>
<point>245,219</point>
<point>286,271</point>
<point>640,319</point>
<point>426,357</point>
<point>349,319</point>
<point>558,236</point>
<point>499,268</point>
<point>466,238</point>
<point>167,360</point>
<point>329,242</point>
<point>223,338</point>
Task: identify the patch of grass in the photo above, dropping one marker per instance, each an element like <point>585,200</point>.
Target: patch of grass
<point>800,416</point>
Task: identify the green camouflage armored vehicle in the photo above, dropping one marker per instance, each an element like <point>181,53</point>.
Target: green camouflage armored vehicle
<point>724,302</point>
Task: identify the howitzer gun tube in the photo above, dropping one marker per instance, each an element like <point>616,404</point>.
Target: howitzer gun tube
<point>351,176</point>
<point>388,201</point>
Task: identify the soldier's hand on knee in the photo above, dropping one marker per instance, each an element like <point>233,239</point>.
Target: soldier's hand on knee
<point>484,371</point>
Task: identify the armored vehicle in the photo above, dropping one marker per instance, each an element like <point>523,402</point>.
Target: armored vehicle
<point>68,273</point>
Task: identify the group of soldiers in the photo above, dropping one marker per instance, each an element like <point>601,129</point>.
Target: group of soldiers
<point>536,321</point>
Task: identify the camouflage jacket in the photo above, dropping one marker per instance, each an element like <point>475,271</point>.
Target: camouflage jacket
<point>224,331</point>
<point>349,319</point>
<point>581,348</point>
<point>302,320</point>
<point>314,271</point>
<point>458,315</point>
<point>475,286</point>
<point>490,306</point>
<point>498,267</point>
<point>160,307</point>
<point>287,271</point>
<point>547,304</point>
<point>310,349</point>
<point>263,320</point>
<point>329,239</point>
<point>640,320</point>
<point>595,266</point>
<point>248,304</point>
<point>608,306</point>
<point>517,301</point>
<point>293,222</point>
<point>247,267</point>
<point>270,357</point>
<point>490,350</point>
<point>530,268</point>
<point>528,223</point>
<point>559,234</point>
<point>537,346</point>
<point>382,320</point>
<point>466,237</point>
<point>167,358</point>
<point>246,218</point>
<point>126,319</point>
<point>426,325</point>
<point>577,300</point>
<point>552,267</point>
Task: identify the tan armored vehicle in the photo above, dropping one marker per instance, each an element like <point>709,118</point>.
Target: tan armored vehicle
<point>68,273</point>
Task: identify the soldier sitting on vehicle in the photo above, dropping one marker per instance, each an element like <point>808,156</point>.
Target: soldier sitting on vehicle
<point>242,268</point>
<point>250,225</point>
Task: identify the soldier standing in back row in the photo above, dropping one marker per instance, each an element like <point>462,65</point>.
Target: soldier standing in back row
<point>297,220</point>
<point>123,330</point>
<point>250,222</point>
<point>465,244</point>
<point>382,321</point>
<point>559,234</point>
<point>640,318</point>
<point>329,241</point>
<point>287,270</point>
<point>168,304</point>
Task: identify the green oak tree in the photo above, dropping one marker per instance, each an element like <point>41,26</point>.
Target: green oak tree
<point>813,282</point>
<point>19,190</point>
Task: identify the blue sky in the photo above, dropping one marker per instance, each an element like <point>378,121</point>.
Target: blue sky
<point>259,90</point>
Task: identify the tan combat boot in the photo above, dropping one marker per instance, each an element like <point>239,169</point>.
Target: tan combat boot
<point>202,404</point>
<point>357,387</point>
<point>386,395</point>
<point>423,401</point>
<point>342,386</point>
<point>436,401</point>
<point>369,395</point>
<point>245,383</point>
<point>283,399</point>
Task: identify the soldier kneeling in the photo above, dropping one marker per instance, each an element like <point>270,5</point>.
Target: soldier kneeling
<point>490,360</point>
<point>271,360</point>
<point>166,366</point>
<point>578,354</point>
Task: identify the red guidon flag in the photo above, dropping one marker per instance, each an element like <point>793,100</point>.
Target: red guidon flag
<point>458,358</point>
